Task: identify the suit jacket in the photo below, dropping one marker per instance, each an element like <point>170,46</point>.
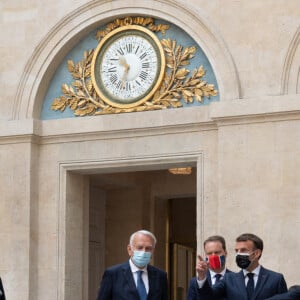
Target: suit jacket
<point>2,294</point>
<point>193,287</point>
<point>118,284</point>
<point>233,287</point>
<point>293,294</point>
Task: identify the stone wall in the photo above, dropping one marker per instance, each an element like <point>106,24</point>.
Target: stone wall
<point>246,148</point>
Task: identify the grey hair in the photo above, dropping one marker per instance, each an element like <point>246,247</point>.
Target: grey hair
<point>145,232</point>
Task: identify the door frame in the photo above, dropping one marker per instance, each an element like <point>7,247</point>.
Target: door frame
<point>73,186</point>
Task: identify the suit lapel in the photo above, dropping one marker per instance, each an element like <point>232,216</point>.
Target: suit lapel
<point>152,281</point>
<point>262,277</point>
<point>208,277</point>
<point>128,277</point>
<point>241,283</point>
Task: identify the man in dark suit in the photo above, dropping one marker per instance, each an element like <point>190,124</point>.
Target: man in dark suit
<point>2,294</point>
<point>292,294</point>
<point>135,279</point>
<point>259,285</point>
<point>216,253</point>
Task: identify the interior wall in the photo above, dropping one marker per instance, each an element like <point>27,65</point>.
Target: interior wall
<point>124,216</point>
<point>183,222</point>
<point>128,208</point>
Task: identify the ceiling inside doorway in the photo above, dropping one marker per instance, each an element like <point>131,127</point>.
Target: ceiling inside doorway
<point>126,180</point>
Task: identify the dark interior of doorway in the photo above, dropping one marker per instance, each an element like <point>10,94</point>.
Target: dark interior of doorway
<point>182,245</point>
<point>121,203</point>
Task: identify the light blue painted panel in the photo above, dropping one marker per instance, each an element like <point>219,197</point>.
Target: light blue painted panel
<point>62,74</point>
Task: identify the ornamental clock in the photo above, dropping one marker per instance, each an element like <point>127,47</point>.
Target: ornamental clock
<point>128,66</point>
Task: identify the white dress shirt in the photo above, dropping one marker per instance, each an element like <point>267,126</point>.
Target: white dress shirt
<point>145,278</point>
<point>255,277</point>
<point>213,276</point>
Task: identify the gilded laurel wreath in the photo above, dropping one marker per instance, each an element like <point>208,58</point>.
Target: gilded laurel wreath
<point>82,98</point>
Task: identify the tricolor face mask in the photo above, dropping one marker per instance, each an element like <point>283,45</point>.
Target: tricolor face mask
<point>216,262</point>
<point>141,258</point>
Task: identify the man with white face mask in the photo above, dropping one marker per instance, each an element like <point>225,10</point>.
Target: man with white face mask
<point>135,279</point>
<point>253,282</point>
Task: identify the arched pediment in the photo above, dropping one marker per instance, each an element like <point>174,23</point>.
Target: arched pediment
<point>62,38</point>
<point>290,83</point>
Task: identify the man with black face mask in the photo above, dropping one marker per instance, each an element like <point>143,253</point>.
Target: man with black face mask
<point>253,282</point>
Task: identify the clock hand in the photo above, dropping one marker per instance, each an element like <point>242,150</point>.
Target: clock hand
<point>123,63</point>
<point>124,76</point>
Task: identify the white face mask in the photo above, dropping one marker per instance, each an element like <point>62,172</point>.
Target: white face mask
<point>141,258</point>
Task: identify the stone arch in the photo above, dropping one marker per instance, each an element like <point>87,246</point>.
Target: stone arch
<point>290,82</point>
<point>60,40</point>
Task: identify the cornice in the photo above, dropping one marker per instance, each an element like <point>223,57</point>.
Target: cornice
<point>158,123</point>
<point>256,110</point>
<point>106,127</point>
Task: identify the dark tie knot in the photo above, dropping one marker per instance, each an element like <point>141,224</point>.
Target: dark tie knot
<point>140,274</point>
<point>250,275</point>
<point>218,277</point>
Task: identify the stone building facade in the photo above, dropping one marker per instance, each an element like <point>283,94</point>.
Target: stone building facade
<point>74,188</point>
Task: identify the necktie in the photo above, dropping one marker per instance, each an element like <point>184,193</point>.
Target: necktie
<point>218,277</point>
<point>141,286</point>
<point>250,285</point>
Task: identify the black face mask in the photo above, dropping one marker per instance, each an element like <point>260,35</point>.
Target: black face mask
<point>242,260</point>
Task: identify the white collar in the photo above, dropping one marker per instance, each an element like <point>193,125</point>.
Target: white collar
<point>134,268</point>
<point>213,274</point>
<point>255,271</point>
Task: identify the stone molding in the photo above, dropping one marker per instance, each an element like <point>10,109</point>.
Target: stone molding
<point>271,108</point>
<point>290,82</point>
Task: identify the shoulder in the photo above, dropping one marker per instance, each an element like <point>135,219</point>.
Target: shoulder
<point>193,280</point>
<point>231,276</point>
<point>274,274</point>
<point>153,269</point>
<point>118,267</point>
<point>295,291</point>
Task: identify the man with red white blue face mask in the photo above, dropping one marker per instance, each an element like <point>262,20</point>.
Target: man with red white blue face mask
<point>252,282</point>
<point>215,255</point>
<point>135,279</point>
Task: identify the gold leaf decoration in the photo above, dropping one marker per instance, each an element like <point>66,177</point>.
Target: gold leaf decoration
<point>146,22</point>
<point>176,83</point>
<point>82,98</point>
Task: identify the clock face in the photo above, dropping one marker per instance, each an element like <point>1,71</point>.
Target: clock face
<point>128,66</point>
